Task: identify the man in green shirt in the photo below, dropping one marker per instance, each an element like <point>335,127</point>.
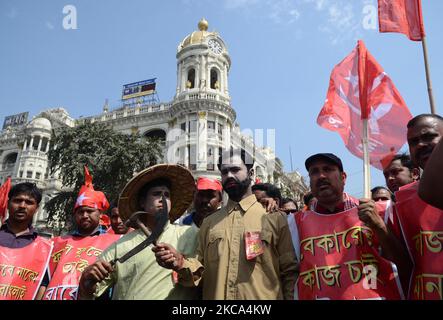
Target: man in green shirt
<point>140,277</point>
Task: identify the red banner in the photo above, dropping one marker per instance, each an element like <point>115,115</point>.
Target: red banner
<point>4,190</point>
<point>22,270</point>
<point>402,16</point>
<point>422,227</point>
<point>340,259</point>
<point>71,255</point>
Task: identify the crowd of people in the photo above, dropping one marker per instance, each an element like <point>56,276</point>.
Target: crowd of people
<point>254,245</point>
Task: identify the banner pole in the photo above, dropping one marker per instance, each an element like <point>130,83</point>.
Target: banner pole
<point>428,75</point>
<point>366,163</point>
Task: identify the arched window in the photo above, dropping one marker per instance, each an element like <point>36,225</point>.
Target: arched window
<point>156,134</point>
<point>190,83</point>
<point>9,162</point>
<point>215,84</point>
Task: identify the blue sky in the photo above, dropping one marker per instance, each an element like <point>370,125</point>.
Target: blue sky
<point>282,54</point>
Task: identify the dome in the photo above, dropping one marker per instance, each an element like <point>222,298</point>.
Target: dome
<point>199,36</point>
<point>40,123</point>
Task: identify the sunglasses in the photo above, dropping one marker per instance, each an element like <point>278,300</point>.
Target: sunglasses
<point>288,211</point>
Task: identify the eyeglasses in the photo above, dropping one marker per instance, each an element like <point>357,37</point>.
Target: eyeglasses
<point>288,211</point>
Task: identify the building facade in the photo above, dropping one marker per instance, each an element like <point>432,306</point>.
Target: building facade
<point>196,126</point>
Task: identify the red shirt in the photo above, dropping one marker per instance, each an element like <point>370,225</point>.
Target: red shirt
<point>348,203</point>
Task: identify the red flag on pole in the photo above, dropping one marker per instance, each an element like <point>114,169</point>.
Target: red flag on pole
<point>359,89</point>
<point>4,190</point>
<point>403,16</point>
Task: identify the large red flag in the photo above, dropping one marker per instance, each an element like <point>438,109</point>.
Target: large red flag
<point>4,190</point>
<point>358,89</point>
<point>403,16</point>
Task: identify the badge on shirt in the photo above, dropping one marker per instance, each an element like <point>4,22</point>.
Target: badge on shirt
<point>253,244</point>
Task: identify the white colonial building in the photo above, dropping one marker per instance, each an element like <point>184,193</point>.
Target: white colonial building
<point>196,125</point>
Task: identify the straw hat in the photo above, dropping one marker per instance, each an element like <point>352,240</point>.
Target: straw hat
<point>182,189</point>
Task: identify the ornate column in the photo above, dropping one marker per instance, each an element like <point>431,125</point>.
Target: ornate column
<point>39,143</point>
<point>31,143</point>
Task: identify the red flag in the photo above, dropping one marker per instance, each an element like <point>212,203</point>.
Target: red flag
<point>403,16</point>
<point>359,88</point>
<point>4,190</point>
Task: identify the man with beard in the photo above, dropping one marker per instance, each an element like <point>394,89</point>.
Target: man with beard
<point>207,200</point>
<point>432,177</point>
<point>340,236</point>
<point>400,172</point>
<point>243,252</point>
<point>421,223</point>
<point>23,254</point>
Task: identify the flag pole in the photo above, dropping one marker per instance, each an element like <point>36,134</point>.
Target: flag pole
<point>366,164</point>
<point>428,75</point>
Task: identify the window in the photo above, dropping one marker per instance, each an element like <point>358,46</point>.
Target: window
<point>44,144</point>
<point>9,162</point>
<point>29,174</point>
<point>190,83</point>
<point>211,126</point>
<point>183,127</point>
<point>220,129</point>
<point>35,143</point>
<point>210,164</point>
<point>37,175</point>
<point>214,79</point>
<point>21,174</point>
<point>192,149</point>
<point>193,126</point>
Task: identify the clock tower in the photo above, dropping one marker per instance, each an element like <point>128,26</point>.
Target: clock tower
<point>203,63</point>
<point>202,115</point>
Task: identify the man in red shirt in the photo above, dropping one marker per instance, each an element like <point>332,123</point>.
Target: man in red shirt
<point>421,223</point>
<point>337,240</point>
<point>23,254</point>
<point>400,172</point>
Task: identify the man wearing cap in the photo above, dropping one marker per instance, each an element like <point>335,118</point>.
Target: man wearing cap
<point>73,253</point>
<point>243,253</point>
<point>207,200</point>
<point>337,240</point>
<point>140,277</point>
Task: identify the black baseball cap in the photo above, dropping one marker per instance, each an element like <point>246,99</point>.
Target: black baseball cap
<point>329,157</point>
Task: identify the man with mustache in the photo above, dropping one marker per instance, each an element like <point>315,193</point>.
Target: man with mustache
<point>400,172</point>
<point>21,248</point>
<point>338,237</point>
<point>381,193</point>
<point>140,277</point>
<point>74,252</point>
<point>243,252</point>
<point>421,223</point>
<point>432,177</point>
<point>207,200</point>
<point>117,225</point>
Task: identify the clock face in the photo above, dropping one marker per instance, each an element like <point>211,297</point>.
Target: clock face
<point>215,46</point>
